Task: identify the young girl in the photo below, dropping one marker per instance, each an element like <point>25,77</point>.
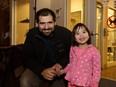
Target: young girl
<point>83,69</point>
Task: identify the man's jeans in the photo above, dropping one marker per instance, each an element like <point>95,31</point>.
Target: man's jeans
<point>29,79</point>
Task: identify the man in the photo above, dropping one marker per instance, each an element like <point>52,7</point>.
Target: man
<point>46,50</point>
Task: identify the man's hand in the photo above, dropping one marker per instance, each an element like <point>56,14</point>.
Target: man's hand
<point>49,73</point>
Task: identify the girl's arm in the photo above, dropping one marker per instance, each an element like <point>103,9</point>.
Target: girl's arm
<point>96,68</point>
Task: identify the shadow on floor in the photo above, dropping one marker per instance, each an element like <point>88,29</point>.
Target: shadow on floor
<point>104,82</point>
<point>7,79</point>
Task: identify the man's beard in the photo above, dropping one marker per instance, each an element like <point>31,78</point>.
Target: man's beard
<point>47,33</point>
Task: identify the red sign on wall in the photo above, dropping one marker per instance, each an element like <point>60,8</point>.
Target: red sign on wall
<point>111,21</point>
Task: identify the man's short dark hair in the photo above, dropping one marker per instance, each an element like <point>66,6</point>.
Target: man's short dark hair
<point>45,12</point>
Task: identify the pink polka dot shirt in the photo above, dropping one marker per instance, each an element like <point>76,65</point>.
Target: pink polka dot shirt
<point>84,68</point>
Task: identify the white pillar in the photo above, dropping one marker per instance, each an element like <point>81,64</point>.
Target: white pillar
<point>90,17</point>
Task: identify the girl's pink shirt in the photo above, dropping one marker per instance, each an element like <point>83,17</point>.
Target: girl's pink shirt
<point>84,68</point>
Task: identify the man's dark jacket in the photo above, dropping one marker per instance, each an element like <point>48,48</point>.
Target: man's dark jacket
<point>34,48</point>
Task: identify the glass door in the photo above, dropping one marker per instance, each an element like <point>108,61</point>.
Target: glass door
<point>98,24</point>
<point>111,38</point>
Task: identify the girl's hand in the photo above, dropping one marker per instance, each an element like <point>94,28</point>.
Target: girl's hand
<point>58,68</point>
<point>60,72</point>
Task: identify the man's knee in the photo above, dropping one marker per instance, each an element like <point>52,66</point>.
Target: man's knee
<point>24,79</point>
<point>28,79</point>
<point>24,82</point>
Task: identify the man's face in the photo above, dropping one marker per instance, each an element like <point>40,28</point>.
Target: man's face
<point>46,24</point>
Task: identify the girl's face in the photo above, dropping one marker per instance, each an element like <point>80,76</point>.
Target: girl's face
<point>81,36</point>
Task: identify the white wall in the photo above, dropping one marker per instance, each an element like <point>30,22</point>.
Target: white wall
<point>43,4</point>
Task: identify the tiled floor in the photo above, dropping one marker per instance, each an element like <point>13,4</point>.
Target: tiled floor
<point>109,73</point>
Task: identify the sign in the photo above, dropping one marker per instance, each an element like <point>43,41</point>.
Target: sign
<point>111,21</point>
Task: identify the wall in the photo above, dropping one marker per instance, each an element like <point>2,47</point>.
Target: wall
<point>4,23</point>
<point>60,10</point>
<point>43,4</point>
<point>74,4</point>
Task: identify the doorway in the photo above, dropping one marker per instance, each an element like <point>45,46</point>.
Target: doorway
<point>75,13</point>
<point>19,20</point>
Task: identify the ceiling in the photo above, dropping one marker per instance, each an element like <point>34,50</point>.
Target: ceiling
<point>5,3</point>
<point>112,3</point>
